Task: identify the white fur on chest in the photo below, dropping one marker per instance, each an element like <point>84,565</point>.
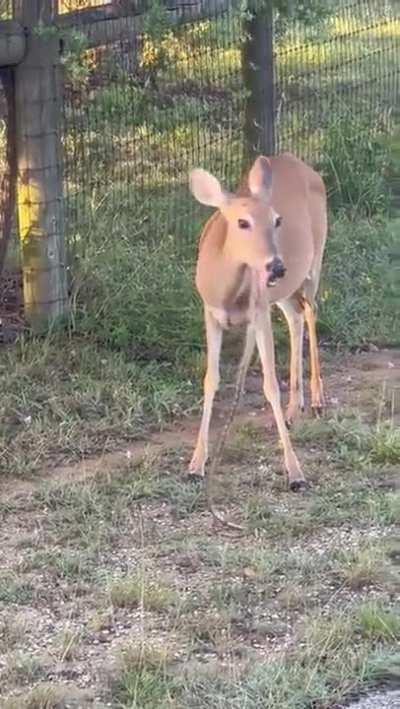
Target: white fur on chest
<point>234,315</point>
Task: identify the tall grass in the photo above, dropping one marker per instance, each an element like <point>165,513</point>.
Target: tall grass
<point>143,298</point>
<point>355,294</point>
<point>354,162</point>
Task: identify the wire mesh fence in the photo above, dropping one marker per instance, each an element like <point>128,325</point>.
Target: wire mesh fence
<point>151,90</point>
<point>150,98</point>
<point>348,67</point>
<point>141,110</point>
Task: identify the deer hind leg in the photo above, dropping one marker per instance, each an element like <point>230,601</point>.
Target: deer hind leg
<point>317,392</point>
<point>211,383</point>
<point>265,344</point>
<point>294,315</point>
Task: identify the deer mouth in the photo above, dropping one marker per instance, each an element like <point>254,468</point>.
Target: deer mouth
<point>269,279</point>
<point>273,279</point>
<point>276,271</point>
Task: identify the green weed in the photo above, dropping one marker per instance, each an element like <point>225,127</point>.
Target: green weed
<point>143,681</point>
<point>353,165</point>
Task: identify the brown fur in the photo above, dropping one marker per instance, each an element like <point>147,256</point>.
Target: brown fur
<point>232,277</point>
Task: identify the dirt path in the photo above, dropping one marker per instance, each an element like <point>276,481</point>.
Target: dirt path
<point>345,385</point>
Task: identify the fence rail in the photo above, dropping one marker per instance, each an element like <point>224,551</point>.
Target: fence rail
<point>149,92</point>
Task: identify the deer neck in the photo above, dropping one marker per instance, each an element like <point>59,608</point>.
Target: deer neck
<point>234,290</point>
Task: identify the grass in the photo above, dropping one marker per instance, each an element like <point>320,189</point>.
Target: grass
<point>379,623</point>
<point>143,680</point>
<point>66,398</point>
<point>325,660</point>
<point>365,567</point>
<point>355,303</point>
<point>46,696</point>
<point>68,642</point>
<point>11,632</point>
<point>25,669</point>
<point>136,591</point>
<point>83,514</point>
<point>15,590</point>
<point>353,442</point>
<point>62,563</point>
<point>300,610</point>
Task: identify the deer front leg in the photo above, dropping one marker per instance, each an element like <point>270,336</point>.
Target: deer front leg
<point>317,392</point>
<point>265,344</point>
<point>211,383</point>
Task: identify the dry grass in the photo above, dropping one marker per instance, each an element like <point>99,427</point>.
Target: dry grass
<point>136,591</point>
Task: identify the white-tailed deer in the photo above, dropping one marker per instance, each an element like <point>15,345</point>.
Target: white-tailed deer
<point>264,245</point>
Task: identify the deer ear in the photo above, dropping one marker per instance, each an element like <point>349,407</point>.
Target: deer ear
<point>260,178</point>
<point>206,188</point>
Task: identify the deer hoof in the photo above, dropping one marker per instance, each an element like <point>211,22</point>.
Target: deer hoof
<point>195,473</point>
<point>194,478</point>
<point>197,466</point>
<point>297,485</point>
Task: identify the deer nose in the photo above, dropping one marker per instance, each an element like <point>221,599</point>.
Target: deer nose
<point>276,270</point>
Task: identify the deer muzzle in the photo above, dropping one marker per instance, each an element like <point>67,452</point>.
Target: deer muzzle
<point>275,270</point>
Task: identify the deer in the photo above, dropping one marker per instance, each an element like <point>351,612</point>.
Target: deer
<point>262,246</point>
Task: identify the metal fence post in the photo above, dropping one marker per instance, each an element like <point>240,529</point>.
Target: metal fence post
<point>38,154</point>
<point>258,75</point>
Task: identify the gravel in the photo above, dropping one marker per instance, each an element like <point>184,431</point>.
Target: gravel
<point>383,700</point>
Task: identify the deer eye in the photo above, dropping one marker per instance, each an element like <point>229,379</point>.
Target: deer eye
<point>243,224</point>
<point>278,222</point>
